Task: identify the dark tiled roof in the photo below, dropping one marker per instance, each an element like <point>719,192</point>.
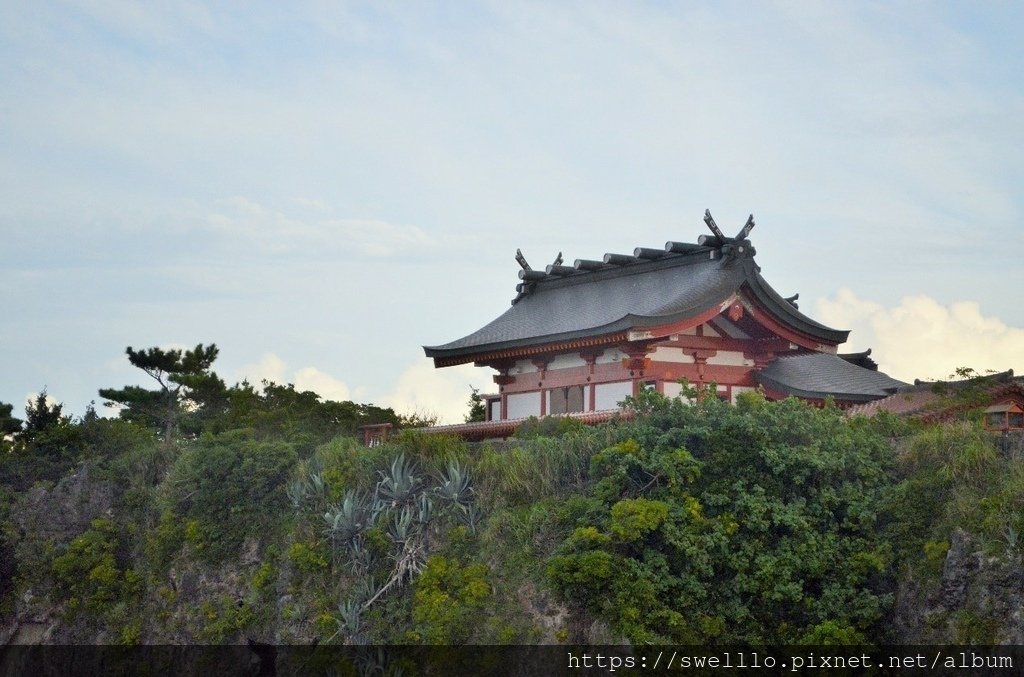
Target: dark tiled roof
<point>932,398</point>
<point>596,298</point>
<point>817,375</point>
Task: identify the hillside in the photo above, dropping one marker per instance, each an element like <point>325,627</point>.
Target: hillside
<point>264,519</point>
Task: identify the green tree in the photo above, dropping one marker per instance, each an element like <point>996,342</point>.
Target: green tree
<point>9,426</point>
<point>302,417</point>
<point>477,412</point>
<point>188,388</point>
<point>41,416</point>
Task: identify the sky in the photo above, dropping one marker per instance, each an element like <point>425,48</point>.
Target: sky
<point>321,188</point>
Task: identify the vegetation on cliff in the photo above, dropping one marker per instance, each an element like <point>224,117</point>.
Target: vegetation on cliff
<point>209,513</point>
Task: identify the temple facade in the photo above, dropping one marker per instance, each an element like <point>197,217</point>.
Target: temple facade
<point>580,338</point>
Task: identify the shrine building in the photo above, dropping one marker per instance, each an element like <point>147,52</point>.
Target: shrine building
<point>580,338</point>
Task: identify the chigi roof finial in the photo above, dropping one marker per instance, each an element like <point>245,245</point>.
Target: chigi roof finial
<point>728,247</point>
<point>719,237</point>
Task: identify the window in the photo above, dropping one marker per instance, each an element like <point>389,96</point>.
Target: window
<point>565,400</point>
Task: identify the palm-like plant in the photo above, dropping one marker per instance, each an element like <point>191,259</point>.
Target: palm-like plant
<point>350,620</point>
<point>471,516</point>
<point>401,527</point>
<point>455,485</point>
<point>400,483</point>
<point>349,519</point>
<point>298,493</point>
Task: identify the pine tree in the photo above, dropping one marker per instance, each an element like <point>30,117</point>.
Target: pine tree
<point>188,388</point>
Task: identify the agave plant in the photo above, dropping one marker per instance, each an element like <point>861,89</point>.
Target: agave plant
<point>350,620</point>
<point>365,589</point>
<point>401,528</point>
<point>400,483</point>
<point>426,510</point>
<point>317,486</point>
<point>359,558</point>
<point>349,519</point>
<point>1011,537</point>
<point>455,485</point>
<point>471,516</point>
<point>298,493</point>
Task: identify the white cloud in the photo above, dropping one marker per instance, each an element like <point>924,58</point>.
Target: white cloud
<point>275,231</point>
<point>269,368</point>
<point>922,338</point>
<point>30,399</point>
<point>420,389</point>
<point>272,368</point>
<point>322,383</point>
<point>444,392</point>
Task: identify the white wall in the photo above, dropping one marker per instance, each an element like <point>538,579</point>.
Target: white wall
<point>566,360</point>
<point>670,354</point>
<point>609,356</point>
<point>521,405</point>
<point>608,395</point>
<point>730,358</point>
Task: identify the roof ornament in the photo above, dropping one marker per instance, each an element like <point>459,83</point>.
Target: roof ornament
<point>521,260</point>
<point>728,246</point>
<point>529,276</point>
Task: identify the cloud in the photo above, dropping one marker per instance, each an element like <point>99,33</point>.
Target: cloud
<point>922,338</point>
<point>272,368</point>
<point>420,389</point>
<point>322,383</point>
<point>442,392</point>
<point>269,368</point>
<point>274,231</point>
<point>30,400</point>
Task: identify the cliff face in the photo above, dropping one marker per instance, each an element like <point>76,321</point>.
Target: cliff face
<point>978,599</point>
<point>45,520</point>
<point>97,559</point>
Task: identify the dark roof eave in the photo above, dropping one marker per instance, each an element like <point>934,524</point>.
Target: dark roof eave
<point>623,324</point>
<point>815,394</point>
<point>745,275</point>
<point>784,310</point>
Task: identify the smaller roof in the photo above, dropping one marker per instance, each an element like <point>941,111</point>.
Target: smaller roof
<point>1003,408</point>
<point>817,375</point>
<point>931,398</point>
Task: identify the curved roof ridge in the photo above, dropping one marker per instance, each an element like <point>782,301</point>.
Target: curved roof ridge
<point>640,292</point>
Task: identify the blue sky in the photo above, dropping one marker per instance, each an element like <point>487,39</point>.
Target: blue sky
<point>321,188</point>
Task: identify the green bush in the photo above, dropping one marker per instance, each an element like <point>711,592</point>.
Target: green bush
<point>448,601</point>
<point>765,519</point>
<point>229,488</point>
<point>87,575</point>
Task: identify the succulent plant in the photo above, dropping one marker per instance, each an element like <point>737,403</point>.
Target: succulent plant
<point>350,619</point>
<point>298,493</point>
<point>349,518</point>
<point>400,484</point>
<point>401,527</point>
<point>455,485</point>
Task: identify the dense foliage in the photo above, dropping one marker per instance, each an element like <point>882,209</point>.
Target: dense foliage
<point>753,523</point>
<point>261,515</point>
